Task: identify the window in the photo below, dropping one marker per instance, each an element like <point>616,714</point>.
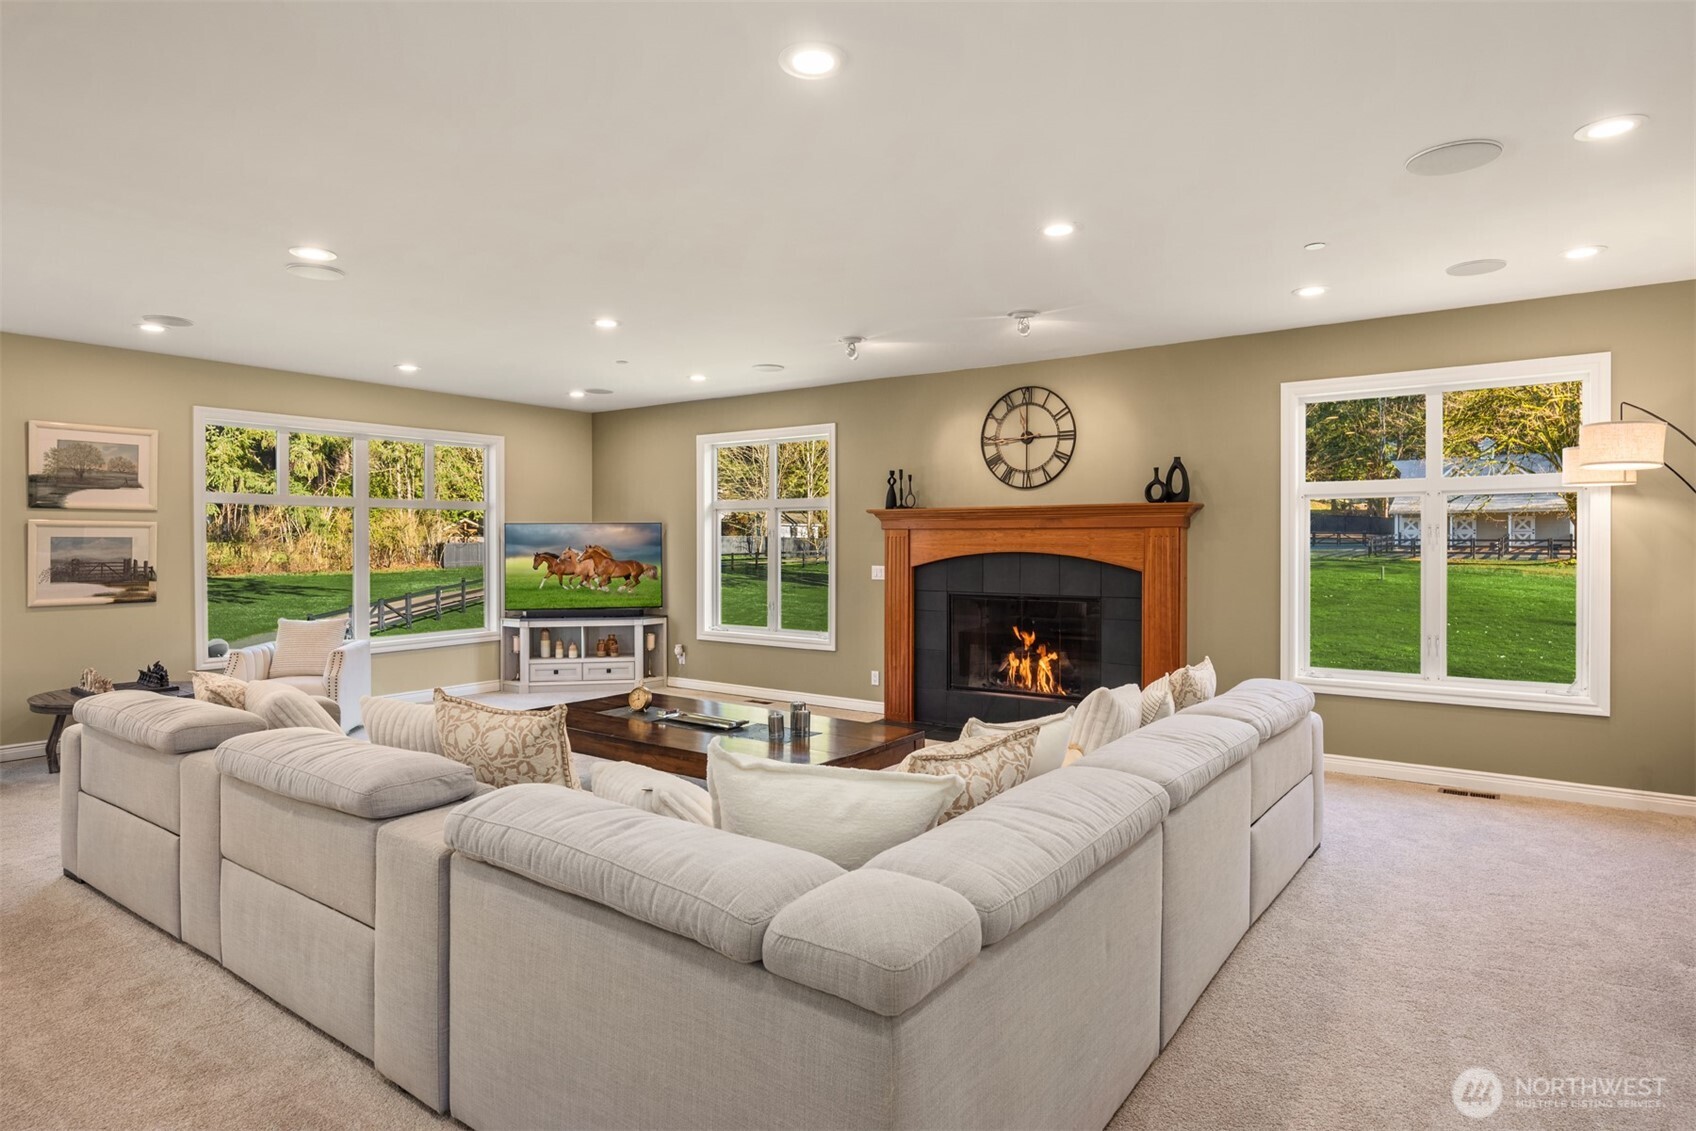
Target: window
<point>304,518</point>
<point>1430,549</point>
<point>768,561</point>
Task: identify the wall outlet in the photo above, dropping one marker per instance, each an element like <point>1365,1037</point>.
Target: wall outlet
<point>877,575</point>
<point>875,677</point>
<point>682,656</point>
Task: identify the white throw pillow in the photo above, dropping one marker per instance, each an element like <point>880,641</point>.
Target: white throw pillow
<point>1194,684</point>
<point>1157,702</point>
<point>304,646</point>
<point>844,815</point>
<point>399,723</point>
<point>1106,715</point>
<point>652,791</point>
<point>1051,739</point>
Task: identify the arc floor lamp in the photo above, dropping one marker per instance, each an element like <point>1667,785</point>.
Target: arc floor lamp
<point>1614,451</point>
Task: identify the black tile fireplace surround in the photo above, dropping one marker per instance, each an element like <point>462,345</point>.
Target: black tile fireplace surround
<point>963,611</point>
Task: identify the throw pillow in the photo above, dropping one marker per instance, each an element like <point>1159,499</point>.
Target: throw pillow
<point>1054,733</point>
<point>845,815</point>
<point>304,646</point>
<point>1105,715</point>
<point>291,707</point>
<point>505,747</point>
<point>399,723</point>
<point>1157,702</point>
<point>224,690</point>
<point>1194,684</point>
<point>989,764</point>
<point>652,791</point>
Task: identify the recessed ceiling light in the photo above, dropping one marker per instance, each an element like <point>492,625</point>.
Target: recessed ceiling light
<point>810,60</point>
<point>1454,157</point>
<point>1313,291</point>
<point>697,377</point>
<point>1059,228</point>
<point>769,367</point>
<point>1589,252</point>
<point>1476,267</point>
<point>150,328</point>
<point>318,272</point>
<point>316,254</point>
<point>1609,128</point>
<point>577,394</point>
<point>606,323</point>
<point>407,367</point>
<point>1316,245</point>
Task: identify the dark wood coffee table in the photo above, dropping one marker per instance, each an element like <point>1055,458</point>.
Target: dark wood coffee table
<point>678,748</point>
<point>60,703</point>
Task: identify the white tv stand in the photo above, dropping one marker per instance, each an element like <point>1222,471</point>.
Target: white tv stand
<point>524,667</point>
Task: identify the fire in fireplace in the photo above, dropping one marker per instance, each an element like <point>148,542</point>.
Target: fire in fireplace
<point>1055,651</point>
<point>1036,670</point>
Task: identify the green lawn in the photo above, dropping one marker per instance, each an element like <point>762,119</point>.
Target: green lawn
<point>806,596</point>
<point>1507,620</point>
<point>245,608</point>
<point>525,589</point>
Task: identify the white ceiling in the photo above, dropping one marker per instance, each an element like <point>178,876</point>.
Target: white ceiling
<point>494,176</point>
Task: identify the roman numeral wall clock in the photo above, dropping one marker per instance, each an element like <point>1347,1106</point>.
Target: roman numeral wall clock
<point>1028,437</point>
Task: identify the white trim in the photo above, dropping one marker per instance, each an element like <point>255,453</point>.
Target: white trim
<point>23,751</point>
<point>1589,693</point>
<point>841,703</point>
<point>418,642</point>
<point>426,694</point>
<point>1514,785</point>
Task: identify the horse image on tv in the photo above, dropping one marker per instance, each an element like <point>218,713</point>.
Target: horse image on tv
<point>583,565</point>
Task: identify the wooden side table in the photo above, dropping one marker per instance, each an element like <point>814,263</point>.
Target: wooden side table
<point>60,703</point>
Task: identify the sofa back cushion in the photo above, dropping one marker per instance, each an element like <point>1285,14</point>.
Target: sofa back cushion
<point>163,722</point>
<point>1268,705</point>
<point>356,778</point>
<point>704,884</point>
<point>505,747</point>
<point>842,814</point>
<point>990,763</point>
<point>1021,853</point>
<point>1182,754</point>
<point>304,646</point>
<point>396,722</point>
<point>284,706</point>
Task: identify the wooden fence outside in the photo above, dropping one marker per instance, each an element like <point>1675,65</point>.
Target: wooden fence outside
<point>421,604</point>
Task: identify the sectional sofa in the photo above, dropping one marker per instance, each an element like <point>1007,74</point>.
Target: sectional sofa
<point>537,957</point>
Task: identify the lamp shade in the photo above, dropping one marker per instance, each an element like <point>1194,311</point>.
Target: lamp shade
<point>1622,445</point>
<point>1575,474</point>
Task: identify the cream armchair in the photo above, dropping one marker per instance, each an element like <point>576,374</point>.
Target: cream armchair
<point>346,676</point>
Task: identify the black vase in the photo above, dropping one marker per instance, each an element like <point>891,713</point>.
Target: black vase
<point>1155,492</point>
<point>1175,474</point>
<point>890,502</point>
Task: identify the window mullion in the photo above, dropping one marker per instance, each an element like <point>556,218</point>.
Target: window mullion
<point>1434,547</point>
<point>360,618</point>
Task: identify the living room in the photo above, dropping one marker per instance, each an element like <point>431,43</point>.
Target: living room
<point>546,375</point>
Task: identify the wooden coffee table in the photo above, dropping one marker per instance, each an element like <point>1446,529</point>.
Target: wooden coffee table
<point>678,748</point>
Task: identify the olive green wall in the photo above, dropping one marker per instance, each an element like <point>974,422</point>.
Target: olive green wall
<point>1216,403</point>
<point>546,477</point>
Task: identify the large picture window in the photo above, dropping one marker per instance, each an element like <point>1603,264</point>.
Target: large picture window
<point>1430,549</point>
<point>768,558</point>
<point>303,518</point>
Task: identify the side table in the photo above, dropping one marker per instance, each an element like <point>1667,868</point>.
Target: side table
<point>60,703</point>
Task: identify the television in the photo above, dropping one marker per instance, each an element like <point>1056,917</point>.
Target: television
<point>569,567</point>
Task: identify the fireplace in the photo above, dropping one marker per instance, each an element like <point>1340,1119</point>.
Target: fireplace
<point>1016,636</point>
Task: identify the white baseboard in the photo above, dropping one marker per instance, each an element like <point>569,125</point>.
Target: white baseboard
<point>19,751</point>
<point>841,703</point>
<point>1513,785</point>
<point>424,695</point>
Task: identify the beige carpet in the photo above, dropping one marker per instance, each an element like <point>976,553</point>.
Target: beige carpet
<point>1430,934</point>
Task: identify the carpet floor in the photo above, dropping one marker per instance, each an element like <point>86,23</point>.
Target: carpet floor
<point>1430,934</point>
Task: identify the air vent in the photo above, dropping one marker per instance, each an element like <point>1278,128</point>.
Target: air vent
<point>1453,157</point>
<point>1469,793</point>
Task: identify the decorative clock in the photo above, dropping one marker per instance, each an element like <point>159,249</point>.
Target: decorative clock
<point>1028,437</point>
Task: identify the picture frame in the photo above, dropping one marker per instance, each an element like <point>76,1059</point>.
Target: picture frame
<point>91,563</point>
<point>92,467</point>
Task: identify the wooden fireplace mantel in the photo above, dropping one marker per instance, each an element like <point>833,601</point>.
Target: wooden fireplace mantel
<point>1150,538</point>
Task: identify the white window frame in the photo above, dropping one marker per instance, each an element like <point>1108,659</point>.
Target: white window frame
<point>708,511</point>
<point>361,504</point>
<point>1589,692</point>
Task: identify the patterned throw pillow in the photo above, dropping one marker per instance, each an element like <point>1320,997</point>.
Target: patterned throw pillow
<point>224,690</point>
<point>505,747</point>
<point>990,764</point>
<point>1105,715</point>
<point>1054,732</point>
<point>1194,684</point>
<point>304,646</point>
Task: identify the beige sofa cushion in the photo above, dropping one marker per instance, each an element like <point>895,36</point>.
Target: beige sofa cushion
<point>1268,705</point>
<point>1020,854</point>
<point>989,763</point>
<point>1053,736</point>
<point>163,722</point>
<point>334,772</point>
<point>304,646</point>
<point>720,890</point>
<point>1182,754</point>
<point>842,814</point>
<point>881,940</point>
<point>505,747</point>
<point>397,722</point>
<point>652,791</point>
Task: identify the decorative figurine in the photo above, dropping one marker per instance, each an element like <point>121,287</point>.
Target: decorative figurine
<point>601,646</point>
<point>891,501</point>
<point>1175,493</point>
<point>1155,492</point>
<point>93,682</point>
<point>640,697</point>
<point>154,678</point>
<point>908,499</point>
<point>612,644</point>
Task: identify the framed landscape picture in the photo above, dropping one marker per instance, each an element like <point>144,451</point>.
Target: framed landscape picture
<point>92,563</point>
<point>92,467</point>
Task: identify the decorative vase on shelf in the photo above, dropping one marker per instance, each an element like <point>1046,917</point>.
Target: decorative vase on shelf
<point>571,650</point>
<point>1175,475</point>
<point>890,499</point>
<point>612,645</point>
<point>547,646</point>
<point>601,646</point>
<point>559,649</point>
<point>1155,492</point>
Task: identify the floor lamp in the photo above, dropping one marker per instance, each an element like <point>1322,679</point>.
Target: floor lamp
<point>1625,446</point>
